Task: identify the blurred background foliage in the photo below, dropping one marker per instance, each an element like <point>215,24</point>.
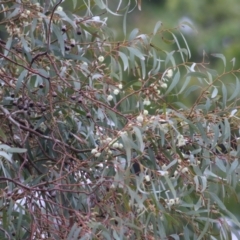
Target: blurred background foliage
<point>215,22</point>
<point>209,26</point>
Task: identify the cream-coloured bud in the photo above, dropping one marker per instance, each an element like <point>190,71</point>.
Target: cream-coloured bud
<point>108,139</point>
<point>145,112</point>
<point>120,145</point>
<point>94,151</point>
<point>59,8</point>
<point>115,145</point>
<point>147,178</point>
<point>100,58</point>
<point>100,165</point>
<point>72,42</point>
<point>120,86</point>
<point>109,97</point>
<point>185,170</point>
<point>146,102</point>
<point>121,133</point>
<point>169,73</point>
<point>164,85</point>
<point>170,202</point>
<point>97,154</point>
<point>181,140</point>
<point>140,118</point>
<point>116,91</point>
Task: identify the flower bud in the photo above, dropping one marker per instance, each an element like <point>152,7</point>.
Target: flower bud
<point>169,73</point>
<point>145,112</point>
<point>147,178</point>
<point>100,58</point>
<point>72,42</point>
<point>116,91</point>
<point>164,85</point>
<point>115,145</point>
<point>140,118</point>
<point>64,28</point>
<point>94,151</point>
<point>59,8</point>
<point>109,97</point>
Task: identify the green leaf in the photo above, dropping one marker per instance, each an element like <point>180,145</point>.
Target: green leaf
<point>174,82</point>
<point>127,147</point>
<point>202,132</point>
<point>74,232</point>
<point>136,52</point>
<point>8,46</point>
<point>233,61</point>
<point>157,26</point>
<point>189,52</point>
<point>125,21</point>
<point>224,95</point>
<point>133,34</point>
<point>139,138</point>
<point>179,48</point>
<point>214,92</point>
<point>59,37</point>
<point>191,89</point>
<point>185,84</point>
<point>170,58</point>
<point>197,74</point>
<point>220,165</point>
<point>16,12</point>
<point>124,59</point>
<point>16,150</point>
<point>204,230</point>
<point>221,56</point>
<point>143,67</point>
<point>21,77</point>
<point>64,17</point>
<point>236,90</point>
<point>6,156</point>
<point>3,136</point>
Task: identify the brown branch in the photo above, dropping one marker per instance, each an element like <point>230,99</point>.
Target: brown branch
<point>27,68</point>
<point>8,115</point>
<point>49,25</point>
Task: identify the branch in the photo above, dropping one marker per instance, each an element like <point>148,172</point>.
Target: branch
<point>49,25</point>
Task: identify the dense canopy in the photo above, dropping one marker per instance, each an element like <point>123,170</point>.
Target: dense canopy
<point>97,138</point>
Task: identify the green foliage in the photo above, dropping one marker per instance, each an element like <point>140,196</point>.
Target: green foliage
<point>87,153</point>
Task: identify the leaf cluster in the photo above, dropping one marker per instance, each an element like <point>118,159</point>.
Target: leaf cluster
<point>97,141</point>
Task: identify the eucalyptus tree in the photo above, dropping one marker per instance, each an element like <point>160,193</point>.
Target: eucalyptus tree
<point>97,140</point>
